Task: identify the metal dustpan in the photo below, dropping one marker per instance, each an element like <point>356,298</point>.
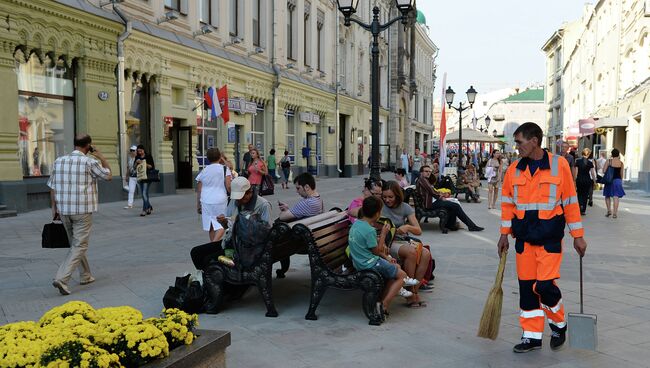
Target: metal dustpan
<point>582,327</point>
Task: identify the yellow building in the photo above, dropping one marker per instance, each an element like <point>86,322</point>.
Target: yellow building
<point>135,72</point>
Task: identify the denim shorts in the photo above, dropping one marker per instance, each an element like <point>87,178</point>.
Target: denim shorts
<point>385,268</point>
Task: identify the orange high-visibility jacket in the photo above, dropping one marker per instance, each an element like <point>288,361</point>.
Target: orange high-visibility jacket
<point>547,195</point>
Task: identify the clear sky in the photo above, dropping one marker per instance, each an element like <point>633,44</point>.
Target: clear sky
<point>493,44</point>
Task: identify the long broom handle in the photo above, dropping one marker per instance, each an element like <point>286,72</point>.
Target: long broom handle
<point>581,308</point>
<point>502,265</point>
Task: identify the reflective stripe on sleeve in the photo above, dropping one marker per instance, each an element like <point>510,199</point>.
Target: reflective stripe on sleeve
<point>574,225</point>
<point>570,200</point>
<point>531,314</point>
<point>506,199</point>
<point>532,335</point>
<point>506,223</point>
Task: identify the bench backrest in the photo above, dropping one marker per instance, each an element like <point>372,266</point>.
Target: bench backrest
<point>330,235</point>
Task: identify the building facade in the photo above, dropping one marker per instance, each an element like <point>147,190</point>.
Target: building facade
<point>508,114</point>
<point>136,73</point>
<point>603,72</point>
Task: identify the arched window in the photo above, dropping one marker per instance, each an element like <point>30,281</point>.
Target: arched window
<point>46,111</point>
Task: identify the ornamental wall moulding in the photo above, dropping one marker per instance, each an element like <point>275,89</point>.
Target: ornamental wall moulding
<point>24,8</point>
<point>98,65</point>
<point>62,39</point>
<point>143,61</point>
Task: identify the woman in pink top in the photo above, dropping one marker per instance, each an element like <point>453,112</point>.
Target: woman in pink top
<point>370,188</point>
<point>256,170</point>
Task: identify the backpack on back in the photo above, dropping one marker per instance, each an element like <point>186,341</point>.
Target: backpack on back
<point>249,238</point>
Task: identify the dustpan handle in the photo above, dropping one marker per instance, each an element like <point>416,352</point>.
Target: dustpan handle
<point>581,308</point>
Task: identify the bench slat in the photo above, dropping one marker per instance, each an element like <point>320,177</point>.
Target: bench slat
<point>314,219</point>
<point>324,231</point>
<point>332,220</point>
<point>342,233</point>
<point>336,261</point>
<point>331,246</point>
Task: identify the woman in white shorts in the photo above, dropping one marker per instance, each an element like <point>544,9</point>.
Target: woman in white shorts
<point>213,185</point>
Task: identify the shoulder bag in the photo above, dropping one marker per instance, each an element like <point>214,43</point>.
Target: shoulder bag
<point>608,178</point>
<point>141,171</point>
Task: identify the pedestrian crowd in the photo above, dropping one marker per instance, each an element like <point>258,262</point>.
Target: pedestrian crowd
<point>541,194</point>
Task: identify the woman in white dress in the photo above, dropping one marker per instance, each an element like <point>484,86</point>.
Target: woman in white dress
<point>213,185</point>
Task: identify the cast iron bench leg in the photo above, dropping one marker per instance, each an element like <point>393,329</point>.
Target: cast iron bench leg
<point>318,289</point>
<point>284,267</point>
<point>264,284</point>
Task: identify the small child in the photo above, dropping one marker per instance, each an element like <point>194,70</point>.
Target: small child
<point>368,252</point>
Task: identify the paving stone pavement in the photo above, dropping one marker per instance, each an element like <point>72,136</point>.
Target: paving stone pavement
<point>135,259</point>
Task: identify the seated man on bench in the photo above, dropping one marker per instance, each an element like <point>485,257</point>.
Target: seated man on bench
<point>432,199</point>
<point>242,197</point>
<point>311,203</point>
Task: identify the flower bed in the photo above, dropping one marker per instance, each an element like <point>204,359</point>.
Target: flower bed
<point>76,335</point>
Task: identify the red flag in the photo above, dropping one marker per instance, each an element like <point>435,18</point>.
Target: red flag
<point>222,96</point>
<point>207,100</point>
<point>443,128</point>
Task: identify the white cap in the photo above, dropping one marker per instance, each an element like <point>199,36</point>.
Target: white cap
<point>238,187</point>
<point>133,148</point>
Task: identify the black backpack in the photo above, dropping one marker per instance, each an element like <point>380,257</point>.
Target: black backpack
<point>249,238</point>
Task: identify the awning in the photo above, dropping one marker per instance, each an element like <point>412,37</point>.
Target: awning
<point>611,122</point>
<point>471,135</point>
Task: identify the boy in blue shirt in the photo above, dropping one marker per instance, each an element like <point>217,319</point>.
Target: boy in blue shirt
<point>368,252</point>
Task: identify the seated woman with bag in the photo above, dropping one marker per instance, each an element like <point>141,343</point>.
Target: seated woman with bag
<point>413,255</point>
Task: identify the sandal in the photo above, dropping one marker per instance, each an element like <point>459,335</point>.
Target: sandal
<point>608,214</point>
<point>416,305</point>
<point>614,216</point>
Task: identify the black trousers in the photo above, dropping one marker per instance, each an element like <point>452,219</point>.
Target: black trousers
<point>203,254</point>
<point>455,211</point>
<point>583,194</point>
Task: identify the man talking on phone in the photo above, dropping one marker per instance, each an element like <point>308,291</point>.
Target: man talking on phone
<point>73,192</point>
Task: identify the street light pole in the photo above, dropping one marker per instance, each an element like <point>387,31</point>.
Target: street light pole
<point>471,97</point>
<point>348,8</point>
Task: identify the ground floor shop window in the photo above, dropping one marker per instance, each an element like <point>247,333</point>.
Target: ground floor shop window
<point>257,130</point>
<point>137,120</point>
<point>46,112</point>
<point>291,132</point>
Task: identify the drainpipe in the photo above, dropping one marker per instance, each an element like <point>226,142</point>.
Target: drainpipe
<point>276,71</point>
<point>121,120</point>
<point>336,96</point>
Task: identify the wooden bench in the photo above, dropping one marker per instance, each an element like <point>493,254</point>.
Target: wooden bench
<point>221,277</point>
<point>422,212</point>
<point>457,189</point>
<point>326,241</point>
<point>232,282</point>
<point>288,245</point>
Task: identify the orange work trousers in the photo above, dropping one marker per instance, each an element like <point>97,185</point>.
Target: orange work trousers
<point>538,267</point>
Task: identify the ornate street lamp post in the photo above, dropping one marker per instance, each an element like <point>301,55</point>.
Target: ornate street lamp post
<point>471,97</point>
<point>349,7</point>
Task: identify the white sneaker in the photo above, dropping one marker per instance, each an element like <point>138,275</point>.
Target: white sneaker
<point>405,293</point>
<point>410,282</point>
<point>127,207</point>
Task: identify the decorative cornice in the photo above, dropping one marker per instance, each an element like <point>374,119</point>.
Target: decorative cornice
<point>52,10</point>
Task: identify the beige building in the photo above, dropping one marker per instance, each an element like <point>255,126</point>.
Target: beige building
<point>135,72</point>
<point>599,67</point>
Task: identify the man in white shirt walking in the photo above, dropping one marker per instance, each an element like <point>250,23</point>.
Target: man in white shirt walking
<point>73,192</point>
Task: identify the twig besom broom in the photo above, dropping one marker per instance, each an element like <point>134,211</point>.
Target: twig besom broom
<point>491,318</point>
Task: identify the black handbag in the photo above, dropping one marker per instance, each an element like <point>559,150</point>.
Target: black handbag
<point>153,175</point>
<point>54,236</point>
